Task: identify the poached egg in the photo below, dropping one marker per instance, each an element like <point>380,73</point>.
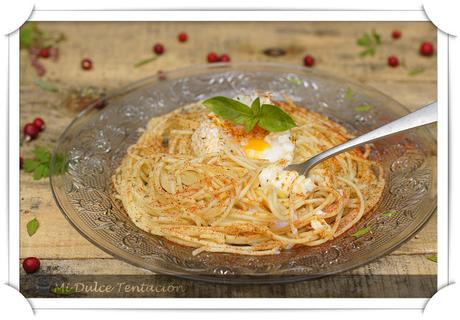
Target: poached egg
<point>275,147</point>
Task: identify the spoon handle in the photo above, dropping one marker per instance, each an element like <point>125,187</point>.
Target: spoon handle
<point>421,117</point>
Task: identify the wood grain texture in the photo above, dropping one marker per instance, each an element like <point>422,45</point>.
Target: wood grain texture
<point>116,47</point>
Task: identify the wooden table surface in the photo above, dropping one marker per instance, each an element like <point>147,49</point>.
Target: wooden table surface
<point>115,47</point>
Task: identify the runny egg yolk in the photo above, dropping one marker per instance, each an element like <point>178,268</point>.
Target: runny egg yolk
<point>255,147</point>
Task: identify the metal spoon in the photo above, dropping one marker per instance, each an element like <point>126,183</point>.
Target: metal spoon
<point>421,117</point>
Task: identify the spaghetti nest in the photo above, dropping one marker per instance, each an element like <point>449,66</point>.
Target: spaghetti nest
<point>214,202</point>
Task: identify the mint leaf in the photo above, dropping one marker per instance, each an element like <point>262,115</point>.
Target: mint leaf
<point>42,155</point>
<point>433,258</point>
<point>365,40</point>
<point>145,61</point>
<point>255,107</point>
<point>30,165</point>
<point>367,52</point>
<point>376,37</point>
<point>46,86</point>
<point>274,119</point>
<point>415,71</point>
<point>39,172</point>
<point>361,232</point>
<point>32,227</point>
<point>229,109</point>
<point>28,35</point>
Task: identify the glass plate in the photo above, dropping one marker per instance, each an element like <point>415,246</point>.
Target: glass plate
<point>95,142</point>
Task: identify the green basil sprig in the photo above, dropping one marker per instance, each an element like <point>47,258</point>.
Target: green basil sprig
<point>267,116</point>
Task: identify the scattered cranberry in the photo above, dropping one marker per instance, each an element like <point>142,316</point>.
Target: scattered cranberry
<point>182,37</point>
<point>31,131</point>
<point>158,48</point>
<point>44,53</point>
<point>31,264</point>
<point>393,61</point>
<point>86,64</point>
<point>224,58</point>
<point>308,61</point>
<point>396,34</point>
<point>39,123</point>
<point>426,49</point>
<point>212,57</point>
<point>100,103</point>
<point>21,162</point>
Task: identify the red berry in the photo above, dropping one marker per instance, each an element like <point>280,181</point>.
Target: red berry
<point>396,34</point>
<point>393,61</point>
<point>308,61</point>
<point>182,37</point>
<point>426,49</point>
<point>44,52</point>
<point>224,58</point>
<point>21,162</point>
<point>31,264</point>
<point>39,123</point>
<point>31,131</point>
<point>86,64</point>
<point>212,57</point>
<point>158,48</point>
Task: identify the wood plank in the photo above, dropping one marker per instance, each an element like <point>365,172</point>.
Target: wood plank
<point>114,50</point>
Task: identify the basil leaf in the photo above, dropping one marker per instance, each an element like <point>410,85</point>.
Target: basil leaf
<point>433,258</point>
<point>255,107</point>
<point>274,119</point>
<point>229,109</point>
<point>361,232</point>
<point>32,227</point>
<point>250,124</point>
<point>367,52</point>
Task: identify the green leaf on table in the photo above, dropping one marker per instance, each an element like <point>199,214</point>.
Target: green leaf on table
<point>416,71</point>
<point>46,86</point>
<point>433,258</point>
<point>28,34</point>
<point>376,37</point>
<point>145,61</point>
<point>363,108</point>
<point>365,40</point>
<point>361,232</point>
<point>32,227</point>
<point>367,52</point>
<point>30,165</point>
<point>369,42</point>
<point>39,166</point>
